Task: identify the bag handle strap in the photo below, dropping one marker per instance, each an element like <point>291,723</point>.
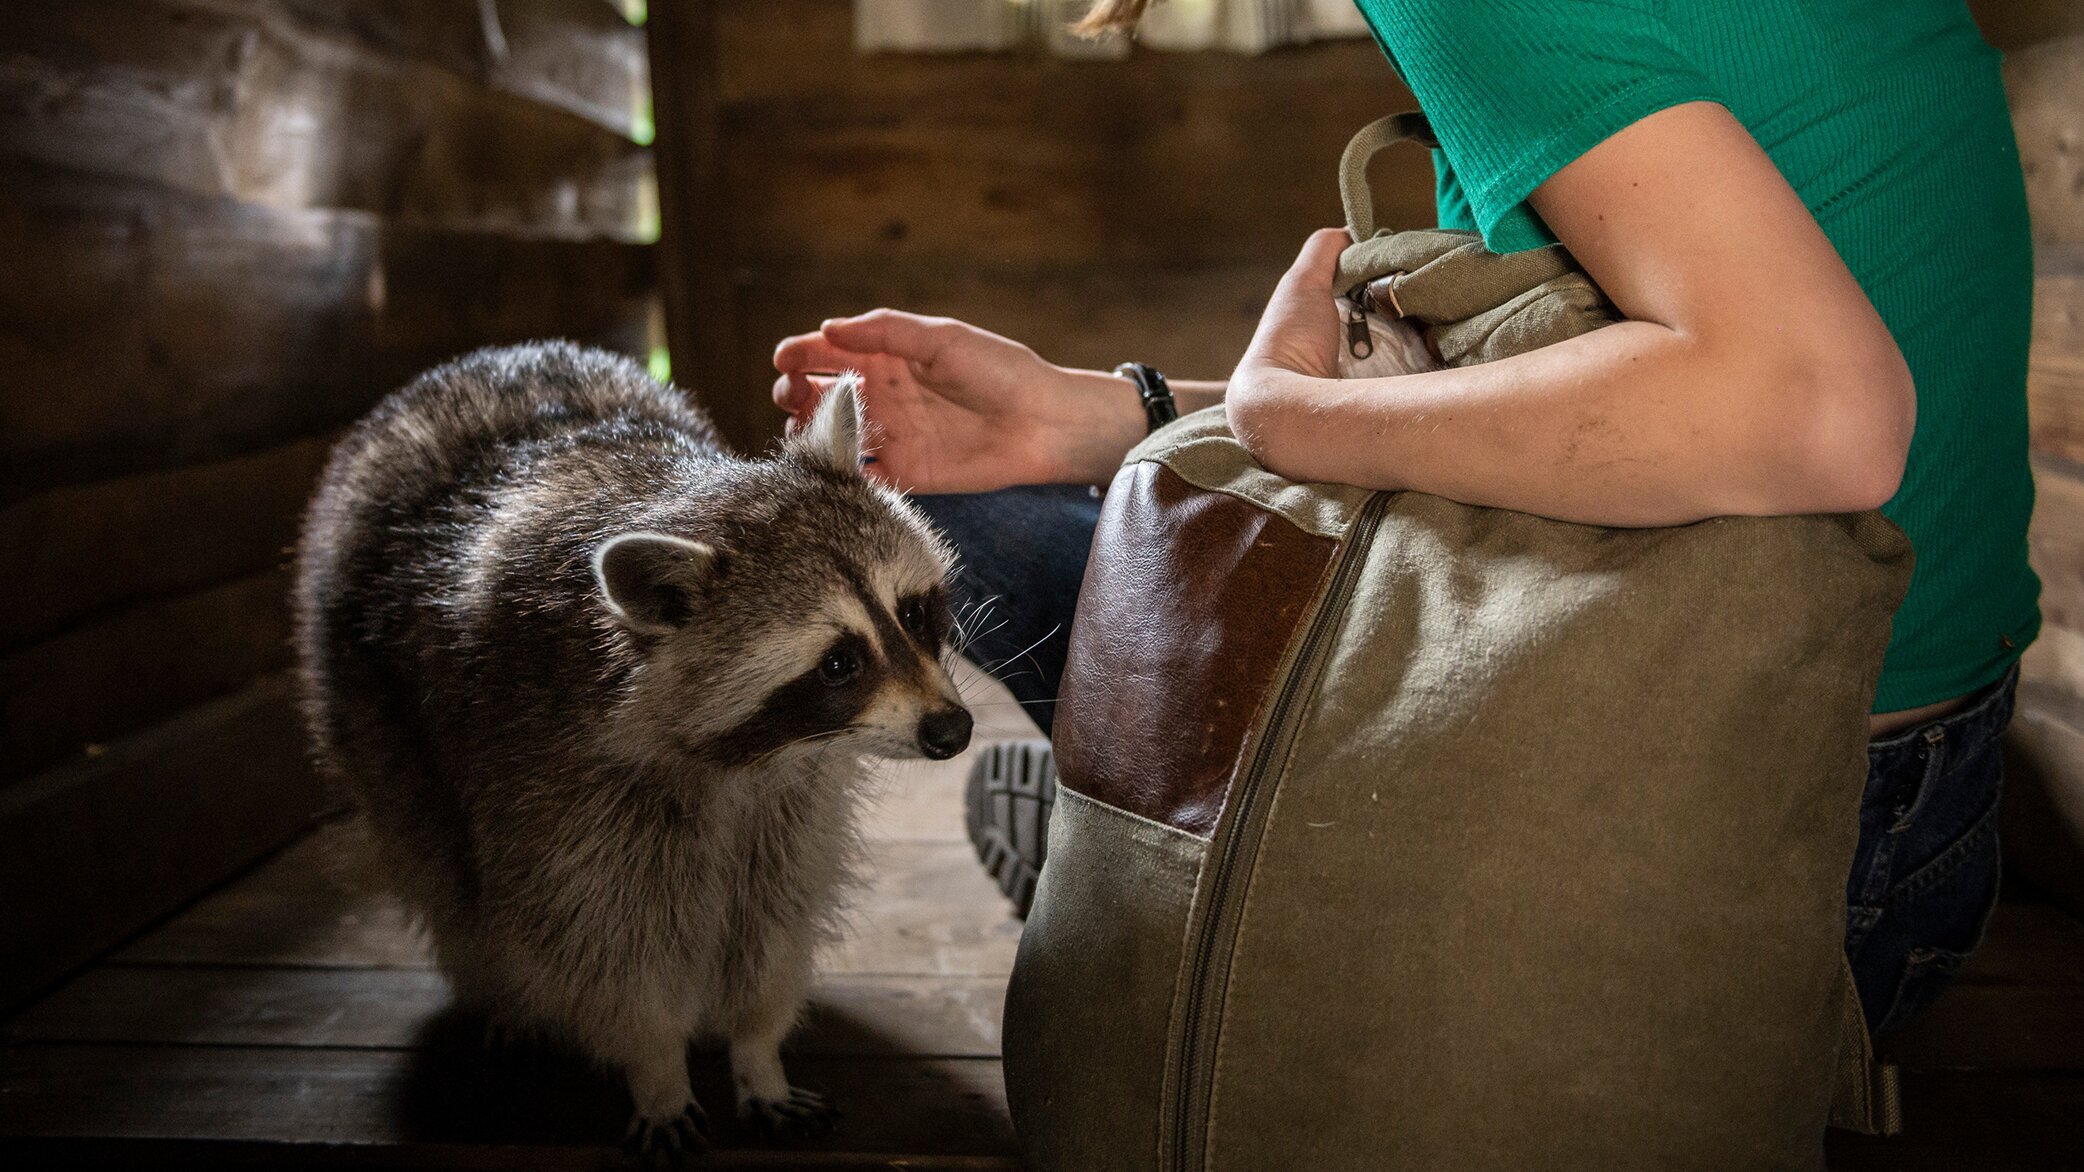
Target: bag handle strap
<point>1353,164</point>
<point>1869,1098</point>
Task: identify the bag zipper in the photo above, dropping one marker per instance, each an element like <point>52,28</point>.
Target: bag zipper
<point>1228,854</point>
<point>1359,342</point>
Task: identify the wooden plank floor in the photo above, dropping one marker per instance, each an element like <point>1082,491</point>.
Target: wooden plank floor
<point>288,1019</point>
<point>291,1018</point>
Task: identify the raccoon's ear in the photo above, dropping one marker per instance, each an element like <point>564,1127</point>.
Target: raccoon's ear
<point>649,580</point>
<point>833,436</point>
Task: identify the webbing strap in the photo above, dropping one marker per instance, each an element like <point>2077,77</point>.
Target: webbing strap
<point>1868,1099</point>
<point>1360,151</point>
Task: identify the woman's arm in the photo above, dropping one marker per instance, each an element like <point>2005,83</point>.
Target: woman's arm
<point>953,408</point>
<point>1193,394</point>
<point>1751,377</point>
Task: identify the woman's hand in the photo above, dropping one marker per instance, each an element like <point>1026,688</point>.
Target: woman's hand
<point>1300,331</point>
<point>1297,343</point>
<point>953,408</point>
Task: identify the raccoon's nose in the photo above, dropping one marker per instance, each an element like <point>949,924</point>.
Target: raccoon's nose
<point>945,733</point>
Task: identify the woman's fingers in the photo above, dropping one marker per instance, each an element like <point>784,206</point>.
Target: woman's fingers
<point>1299,330</point>
<point>842,341</point>
<point>1317,265</point>
<point>801,359</point>
<point>890,331</point>
<point>798,393</point>
<point>811,352</point>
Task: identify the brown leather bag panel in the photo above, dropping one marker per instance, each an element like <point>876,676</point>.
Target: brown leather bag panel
<point>1190,600</point>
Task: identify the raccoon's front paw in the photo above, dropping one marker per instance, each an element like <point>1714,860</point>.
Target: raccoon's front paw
<point>674,1140</point>
<point>800,1114</point>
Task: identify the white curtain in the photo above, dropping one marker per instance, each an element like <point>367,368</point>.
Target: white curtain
<point>1236,26</point>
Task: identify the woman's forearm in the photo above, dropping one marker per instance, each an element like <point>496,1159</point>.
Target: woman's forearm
<point>1635,424</point>
<point>1194,394</point>
<point>1106,418</point>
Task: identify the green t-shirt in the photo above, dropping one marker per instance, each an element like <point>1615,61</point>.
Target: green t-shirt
<point>1888,118</point>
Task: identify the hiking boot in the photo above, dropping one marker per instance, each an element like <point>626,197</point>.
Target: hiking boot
<point>1006,809</point>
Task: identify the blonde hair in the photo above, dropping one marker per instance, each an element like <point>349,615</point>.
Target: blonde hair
<point>1109,15</point>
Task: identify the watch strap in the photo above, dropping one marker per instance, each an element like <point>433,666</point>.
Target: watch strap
<point>1159,408</point>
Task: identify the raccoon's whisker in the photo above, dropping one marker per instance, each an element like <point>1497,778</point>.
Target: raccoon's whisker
<point>799,742</point>
<point>963,671</point>
<point>787,782</point>
<point>972,617</point>
<point>958,662</point>
<point>1001,662</point>
<point>979,614</point>
<point>814,738</point>
<point>1046,637</point>
<point>1014,703</point>
<point>963,616</point>
<point>994,629</point>
<point>981,606</point>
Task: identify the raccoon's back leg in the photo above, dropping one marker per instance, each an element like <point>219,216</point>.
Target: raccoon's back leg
<point>414,827</point>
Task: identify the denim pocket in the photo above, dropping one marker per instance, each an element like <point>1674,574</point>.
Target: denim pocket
<point>1933,920</point>
<point>1925,976</point>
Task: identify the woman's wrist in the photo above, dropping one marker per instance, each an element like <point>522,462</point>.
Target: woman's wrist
<point>1195,394</point>
<point>1101,419</point>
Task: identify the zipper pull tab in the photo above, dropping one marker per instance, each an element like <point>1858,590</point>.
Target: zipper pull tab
<point>1358,341</point>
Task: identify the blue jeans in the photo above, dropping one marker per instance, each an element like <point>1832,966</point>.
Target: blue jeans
<point>1924,876</point>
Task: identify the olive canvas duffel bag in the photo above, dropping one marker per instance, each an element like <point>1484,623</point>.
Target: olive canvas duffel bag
<point>1395,833</point>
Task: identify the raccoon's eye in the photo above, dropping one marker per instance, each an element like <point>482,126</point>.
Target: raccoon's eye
<point>838,666</point>
<point>913,615</point>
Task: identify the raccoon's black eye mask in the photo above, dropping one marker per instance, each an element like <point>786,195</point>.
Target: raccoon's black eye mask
<point>925,617</point>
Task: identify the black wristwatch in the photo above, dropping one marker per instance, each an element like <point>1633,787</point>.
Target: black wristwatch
<point>1158,407</point>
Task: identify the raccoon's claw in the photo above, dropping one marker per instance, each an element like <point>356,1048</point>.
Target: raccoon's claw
<point>800,1115</point>
<point>675,1140</point>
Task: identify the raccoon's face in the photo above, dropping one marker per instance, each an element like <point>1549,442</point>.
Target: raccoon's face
<point>814,622</point>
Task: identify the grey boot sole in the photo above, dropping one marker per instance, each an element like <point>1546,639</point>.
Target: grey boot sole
<point>1006,808</point>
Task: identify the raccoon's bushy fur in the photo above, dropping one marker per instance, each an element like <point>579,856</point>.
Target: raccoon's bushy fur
<point>586,677</point>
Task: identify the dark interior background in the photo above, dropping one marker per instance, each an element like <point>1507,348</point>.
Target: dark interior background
<point>232,225</point>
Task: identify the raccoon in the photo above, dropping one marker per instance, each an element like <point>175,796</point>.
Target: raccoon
<point>601,694</point>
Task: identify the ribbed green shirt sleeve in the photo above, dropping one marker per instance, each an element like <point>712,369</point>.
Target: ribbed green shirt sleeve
<point>1517,89</point>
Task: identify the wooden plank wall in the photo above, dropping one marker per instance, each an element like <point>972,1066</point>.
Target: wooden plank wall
<point>231,226</point>
<point>2044,804</point>
<point>1108,210</point>
<point>1099,211</point>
